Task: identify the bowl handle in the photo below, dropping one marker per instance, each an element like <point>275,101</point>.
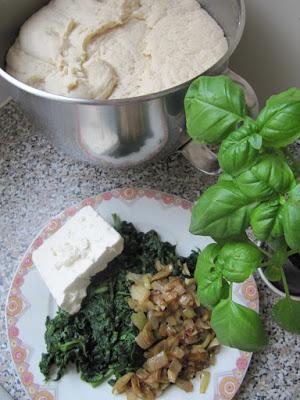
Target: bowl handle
<point>201,156</point>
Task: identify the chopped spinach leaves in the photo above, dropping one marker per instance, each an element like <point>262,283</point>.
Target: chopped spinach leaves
<point>100,339</point>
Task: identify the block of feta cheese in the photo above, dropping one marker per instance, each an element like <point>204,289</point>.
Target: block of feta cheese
<point>67,260</point>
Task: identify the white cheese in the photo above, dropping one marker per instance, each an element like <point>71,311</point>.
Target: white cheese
<point>67,260</point>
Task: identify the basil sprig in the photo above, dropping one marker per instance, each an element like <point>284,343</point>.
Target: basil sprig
<point>239,151</point>
<point>259,189</point>
<point>286,313</point>
<point>223,211</point>
<point>250,336</point>
<point>217,267</point>
<point>213,108</point>
<point>212,286</point>
<point>279,121</point>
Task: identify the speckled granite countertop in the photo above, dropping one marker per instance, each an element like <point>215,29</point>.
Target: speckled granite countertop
<point>37,182</point>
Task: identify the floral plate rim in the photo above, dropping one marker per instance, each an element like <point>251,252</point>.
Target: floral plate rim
<point>226,385</point>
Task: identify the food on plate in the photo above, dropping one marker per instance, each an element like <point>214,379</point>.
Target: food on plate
<point>140,324</point>
<point>174,332</point>
<point>67,260</point>
<point>115,48</point>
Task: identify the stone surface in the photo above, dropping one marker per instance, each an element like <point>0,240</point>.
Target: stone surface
<point>37,182</point>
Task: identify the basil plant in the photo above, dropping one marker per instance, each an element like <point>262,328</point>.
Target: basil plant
<point>258,189</point>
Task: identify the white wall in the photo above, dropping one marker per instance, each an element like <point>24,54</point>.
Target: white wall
<point>269,53</point>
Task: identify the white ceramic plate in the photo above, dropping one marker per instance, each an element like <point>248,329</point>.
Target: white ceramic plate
<point>29,301</point>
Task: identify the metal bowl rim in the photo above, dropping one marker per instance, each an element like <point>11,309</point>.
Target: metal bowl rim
<point>138,99</point>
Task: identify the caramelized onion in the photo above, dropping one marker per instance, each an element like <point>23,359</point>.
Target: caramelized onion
<point>187,386</point>
<point>139,293</point>
<point>130,395</point>
<point>156,362</point>
<point>173,371</point>
<point>154,378</point>
<point>205,380</point>
<point>186,270</point>
<point>164,273</point>
<point>136,387</point>
<point>213,344</point>
<point>174,330</point>
<point>145,338</point>
<point>139,320</point>
<point>178,353</point>
<point>121,384</point>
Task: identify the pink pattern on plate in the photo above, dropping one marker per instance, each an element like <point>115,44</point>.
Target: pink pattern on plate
<point>150,194</point>
<point>13,331</point>
<point>168,199</point>
<point>186,205</point>
<point>37,243</point>
<point>27,378</point>
<point>227,385</point>
<point>43,395</point>
<point>89,202</point>
<point>70,212</point>
<point>18,281</point>
<point>53,225</point>
<point>19,355</point>
<point>242,363</point>
<point>14,306</point>
<point>27,262</point>
<point>249,290</point>
<point>128,193</point>
<point>107,196</point>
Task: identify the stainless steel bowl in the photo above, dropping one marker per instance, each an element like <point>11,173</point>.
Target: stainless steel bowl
<point>118,133</point>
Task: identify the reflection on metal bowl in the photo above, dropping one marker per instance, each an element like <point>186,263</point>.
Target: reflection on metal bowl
<point>116,133</point>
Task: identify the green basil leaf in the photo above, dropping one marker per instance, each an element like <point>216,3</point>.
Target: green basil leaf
<point>278,244</point>
<point>238,261</point>
<point>278,259</point>
<point>213,107</point>
<point>238,326</point>
<point>225,178</point>
<point>286,313</point>
<point>280,256</point>
<point>266,220</point>
<point>256,141</point>
<point>243,237</point>
<point>206,261</point>
<point>273,273</point>
<point>223,211</point>
<point>291,224</point>
<point>240,150</point>
<point>269,176</point>
<point>294,194</point>
<point>211,287</point>
<point>217,288</point>
<point>291,218</point>
<point>279,121</point>
<point>289,96</point>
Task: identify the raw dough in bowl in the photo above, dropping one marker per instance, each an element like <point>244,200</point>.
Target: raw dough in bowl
<point>100,49</point>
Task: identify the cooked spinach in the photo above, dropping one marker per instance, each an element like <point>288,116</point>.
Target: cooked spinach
<point>100,339</point>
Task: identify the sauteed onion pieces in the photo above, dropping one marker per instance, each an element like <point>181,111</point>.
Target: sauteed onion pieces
<point>175,333</point>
